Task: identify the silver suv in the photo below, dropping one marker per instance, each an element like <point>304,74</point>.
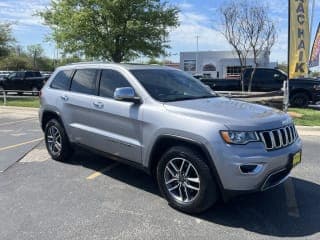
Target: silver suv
<point>199,146</point>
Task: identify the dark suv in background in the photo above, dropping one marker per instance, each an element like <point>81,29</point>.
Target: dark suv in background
<point>23,81</point>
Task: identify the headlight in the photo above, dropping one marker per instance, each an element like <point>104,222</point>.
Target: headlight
<point>316,87</point>
<point>235,137</point>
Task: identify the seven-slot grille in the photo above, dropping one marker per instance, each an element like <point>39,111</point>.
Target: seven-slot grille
<point>279,138</point>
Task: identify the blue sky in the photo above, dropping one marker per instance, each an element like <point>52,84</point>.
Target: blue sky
<point>196,18</point>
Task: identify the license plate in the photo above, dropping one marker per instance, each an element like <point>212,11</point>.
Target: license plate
<point>296,159</point>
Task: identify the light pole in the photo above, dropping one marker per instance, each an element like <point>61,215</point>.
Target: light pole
<point>197,54</point>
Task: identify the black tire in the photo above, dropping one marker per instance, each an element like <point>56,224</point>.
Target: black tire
<point>35,91</point>
<point>208,193</point>
<point>300,100</point>
<point>66,150</point>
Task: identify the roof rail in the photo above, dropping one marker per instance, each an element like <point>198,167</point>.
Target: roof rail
<point>88,62</point>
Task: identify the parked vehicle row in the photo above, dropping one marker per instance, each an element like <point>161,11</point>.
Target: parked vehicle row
<point>199,146</point>
<point>23,81</point>
<point>302,90</point>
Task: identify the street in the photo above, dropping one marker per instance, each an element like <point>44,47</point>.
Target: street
<point>95,198</point>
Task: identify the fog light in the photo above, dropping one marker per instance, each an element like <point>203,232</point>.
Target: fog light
<point>250,168</point>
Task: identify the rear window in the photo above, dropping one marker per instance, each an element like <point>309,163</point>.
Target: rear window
<point>62,80</point>
<point>84,81</point>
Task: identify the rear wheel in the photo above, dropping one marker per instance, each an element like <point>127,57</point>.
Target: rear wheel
<point>35,91</point>
<point>185,180</point>
<point>57,141</point>
<point>300,100</point>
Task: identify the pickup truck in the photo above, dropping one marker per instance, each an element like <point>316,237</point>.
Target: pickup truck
<point>23,81</point>
<point>302,90</point>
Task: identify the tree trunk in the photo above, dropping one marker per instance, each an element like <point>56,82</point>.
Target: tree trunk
<point>253,71</point>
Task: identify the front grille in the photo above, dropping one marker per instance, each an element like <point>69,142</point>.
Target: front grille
<point>279,138</point>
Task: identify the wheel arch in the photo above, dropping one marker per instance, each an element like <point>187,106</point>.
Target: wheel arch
<point>47,116</point>
<point>164,142</point>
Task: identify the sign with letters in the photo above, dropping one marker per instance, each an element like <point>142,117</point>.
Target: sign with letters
<point>299,38</point>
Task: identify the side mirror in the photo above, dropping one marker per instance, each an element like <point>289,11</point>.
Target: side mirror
<point>126,94</point>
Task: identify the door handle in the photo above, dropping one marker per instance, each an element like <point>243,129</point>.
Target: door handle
<point>98,104</point>
<point>64,97</point>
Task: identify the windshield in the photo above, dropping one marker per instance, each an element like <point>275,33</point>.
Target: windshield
<point>166,85</point>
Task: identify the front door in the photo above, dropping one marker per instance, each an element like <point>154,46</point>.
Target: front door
<point>116,124</point>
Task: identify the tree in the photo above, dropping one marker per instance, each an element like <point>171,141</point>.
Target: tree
<point>248,27</point>
<point>259,30</point>
<point>5,39</point>
<point>283,67</point>
<point>35,51</point>
<point>118,30</point>
<point>15,63</point>
<point>234,33</point>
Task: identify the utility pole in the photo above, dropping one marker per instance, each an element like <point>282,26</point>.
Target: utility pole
<point>197,54</point>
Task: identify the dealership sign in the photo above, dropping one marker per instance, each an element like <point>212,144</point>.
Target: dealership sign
<point>299,38</point>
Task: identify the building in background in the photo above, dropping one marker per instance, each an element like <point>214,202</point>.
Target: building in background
<point>219,64</point>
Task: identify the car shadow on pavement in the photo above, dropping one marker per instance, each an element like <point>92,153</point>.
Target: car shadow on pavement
<point>272,213</point>
<point>124,173</point>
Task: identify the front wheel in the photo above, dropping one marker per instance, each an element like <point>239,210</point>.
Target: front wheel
<point>299,100</point>
<point>57,141</point>
<point>185,180</point>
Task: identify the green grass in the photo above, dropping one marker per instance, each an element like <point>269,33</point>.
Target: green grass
<point>310,117</point>
<point>22,102</point>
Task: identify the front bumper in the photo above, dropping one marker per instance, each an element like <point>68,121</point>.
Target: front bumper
<point>273,166</point>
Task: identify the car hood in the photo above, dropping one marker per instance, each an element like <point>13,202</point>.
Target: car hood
<point>234,114</point>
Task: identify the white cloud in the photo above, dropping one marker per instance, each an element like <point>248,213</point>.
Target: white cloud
<point>185,6</point>
<point>191,25</point>
<point>22,12</point>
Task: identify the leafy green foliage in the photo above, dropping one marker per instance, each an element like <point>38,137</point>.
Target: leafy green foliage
<point>117,30</point>
<point>5,39</point>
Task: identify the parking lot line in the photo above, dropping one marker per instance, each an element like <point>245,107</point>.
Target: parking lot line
<point>101,171</point>
<point>18,121</point>
<point>20,144</point>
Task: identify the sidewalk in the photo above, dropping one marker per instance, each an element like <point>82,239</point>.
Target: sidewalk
<point>18,112</point>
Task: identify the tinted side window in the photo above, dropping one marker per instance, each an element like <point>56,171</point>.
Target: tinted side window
<point>110,80</point>
<point>62,80</point>
<point>20,74</point>
<point>29,74</point>
<point>84,81</point>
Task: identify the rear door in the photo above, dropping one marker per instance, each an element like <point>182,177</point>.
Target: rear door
<point>76,105</point>
<point>115,124</point>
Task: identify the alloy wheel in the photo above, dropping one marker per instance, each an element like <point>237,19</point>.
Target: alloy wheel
<point>182,180</point>
<point>54,140</point>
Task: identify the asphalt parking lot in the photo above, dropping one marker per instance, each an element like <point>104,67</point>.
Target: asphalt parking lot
<point>95,198</point>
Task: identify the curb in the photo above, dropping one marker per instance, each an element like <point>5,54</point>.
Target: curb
<point>308,130</point>
<point>20,108</point>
